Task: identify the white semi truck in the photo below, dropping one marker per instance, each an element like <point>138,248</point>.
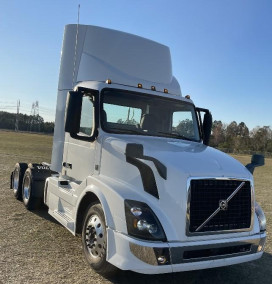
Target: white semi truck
<point>131,169</point>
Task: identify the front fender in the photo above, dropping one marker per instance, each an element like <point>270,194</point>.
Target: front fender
<point>111,201</point>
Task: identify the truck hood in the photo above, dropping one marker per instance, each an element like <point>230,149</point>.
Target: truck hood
<point>188,158</point>
<point>184,160</point>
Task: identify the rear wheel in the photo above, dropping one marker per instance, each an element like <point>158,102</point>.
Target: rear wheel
<point>17,179</point>
<point>30,201</point>
<point>94,239</point>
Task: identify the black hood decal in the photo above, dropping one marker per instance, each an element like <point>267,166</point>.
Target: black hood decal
<point>134,152</point>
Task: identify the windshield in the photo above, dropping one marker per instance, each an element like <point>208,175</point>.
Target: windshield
<point>143,114</point>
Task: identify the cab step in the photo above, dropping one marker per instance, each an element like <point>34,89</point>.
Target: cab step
<point>65,220</point>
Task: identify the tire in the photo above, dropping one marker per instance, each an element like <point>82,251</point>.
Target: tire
<point>94,240</point>
<point>17,179</point>
<point>30,201</point>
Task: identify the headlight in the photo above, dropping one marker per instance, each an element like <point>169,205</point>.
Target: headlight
<point>142,223</point>
<point>261,217</point>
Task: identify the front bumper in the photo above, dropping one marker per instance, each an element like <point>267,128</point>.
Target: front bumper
<point>128,253</point>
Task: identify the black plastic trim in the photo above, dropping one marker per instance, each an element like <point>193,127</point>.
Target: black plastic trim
<point>178,254</point>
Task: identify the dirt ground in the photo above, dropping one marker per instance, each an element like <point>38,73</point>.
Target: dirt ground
<point>36,249</point>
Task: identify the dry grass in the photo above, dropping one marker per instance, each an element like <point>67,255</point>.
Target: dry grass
<point>36,249</point>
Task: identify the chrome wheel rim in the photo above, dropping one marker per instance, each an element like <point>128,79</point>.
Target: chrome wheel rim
<point>15,181</point>
<point>95,237</point>
<point>26,188</point>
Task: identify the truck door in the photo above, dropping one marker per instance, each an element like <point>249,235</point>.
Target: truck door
<point>78,160</point>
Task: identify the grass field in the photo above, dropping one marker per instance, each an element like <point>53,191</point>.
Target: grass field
<point>36,249</point>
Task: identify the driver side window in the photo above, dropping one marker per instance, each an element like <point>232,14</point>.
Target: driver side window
<point>86,119</point>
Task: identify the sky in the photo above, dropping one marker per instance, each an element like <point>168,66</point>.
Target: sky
<point>221,50</point>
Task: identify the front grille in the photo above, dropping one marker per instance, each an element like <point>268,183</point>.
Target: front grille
<point>204,200</point>
<point>212,252</point>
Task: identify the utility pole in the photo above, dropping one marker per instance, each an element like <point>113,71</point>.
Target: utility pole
<point>34,115</point>
<point>17,116</point>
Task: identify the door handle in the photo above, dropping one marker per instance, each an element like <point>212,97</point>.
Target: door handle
<point>67,165</point>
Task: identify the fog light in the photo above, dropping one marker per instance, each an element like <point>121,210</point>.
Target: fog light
<point>162,259</point>
<point>260,248</point>
<point>261,245</point>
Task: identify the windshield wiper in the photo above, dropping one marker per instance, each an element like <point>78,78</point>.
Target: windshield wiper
<point>126,130</point>
<point>138,131</point>
<point>173,135</point>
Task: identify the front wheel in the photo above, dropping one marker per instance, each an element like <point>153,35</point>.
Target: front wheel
<point>94,240</point>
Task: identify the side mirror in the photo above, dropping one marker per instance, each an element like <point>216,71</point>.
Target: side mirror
<point>73,111</point>
<point>206,127</point>
<point>256,161</point>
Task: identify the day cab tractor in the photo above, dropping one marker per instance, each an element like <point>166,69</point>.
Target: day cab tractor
<point>131,169</point>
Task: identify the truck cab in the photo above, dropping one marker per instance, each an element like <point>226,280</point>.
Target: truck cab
<point>131,169</point>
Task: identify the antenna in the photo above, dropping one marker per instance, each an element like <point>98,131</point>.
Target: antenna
<point>78,14</point>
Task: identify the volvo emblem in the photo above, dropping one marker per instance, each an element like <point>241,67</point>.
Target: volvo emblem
<point>223,205</point>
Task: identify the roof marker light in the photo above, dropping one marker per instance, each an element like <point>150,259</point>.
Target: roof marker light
<point>108,81</point>
<point>165,91</point>
<point>187,97</point>
<point>153,88</point>
<point>140,86</point>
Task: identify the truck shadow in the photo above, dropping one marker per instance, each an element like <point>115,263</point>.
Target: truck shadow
<point>43,213</point>
<point>251,272</point>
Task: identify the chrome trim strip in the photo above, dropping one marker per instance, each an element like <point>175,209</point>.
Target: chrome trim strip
<point>218,209</point>
<point>188,233</point>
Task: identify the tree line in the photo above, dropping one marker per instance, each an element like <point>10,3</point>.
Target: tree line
<point>232,138</point>
<point>236,137</point>
<point>33,123</point>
